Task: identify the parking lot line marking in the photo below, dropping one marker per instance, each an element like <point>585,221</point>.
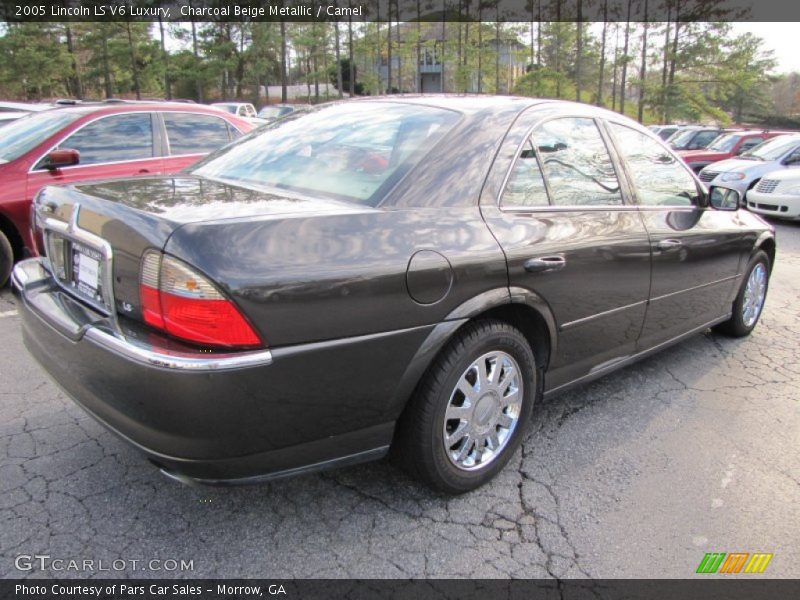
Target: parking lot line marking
<point>8,313</point>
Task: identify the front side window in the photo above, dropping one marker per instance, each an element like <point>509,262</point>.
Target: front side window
<point>349,152</point>
<point>195,134</point>
<point>114,139</point>
<point>576,163</point>
<point>659,178</point>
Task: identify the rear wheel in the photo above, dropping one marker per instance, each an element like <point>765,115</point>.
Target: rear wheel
<point>6,259</point>
<point>749,301</point>
<point>470,412</point>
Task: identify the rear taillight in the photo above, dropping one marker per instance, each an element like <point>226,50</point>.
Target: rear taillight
<point>178,300</point>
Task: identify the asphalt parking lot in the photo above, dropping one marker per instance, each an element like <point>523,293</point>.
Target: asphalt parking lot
<point>694,450</point>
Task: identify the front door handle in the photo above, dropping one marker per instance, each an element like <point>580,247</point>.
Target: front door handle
<point>141,171</point>
<point>545,263</point>
<point>668,244</point>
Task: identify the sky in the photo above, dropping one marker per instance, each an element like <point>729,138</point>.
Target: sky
<point>779,37</point>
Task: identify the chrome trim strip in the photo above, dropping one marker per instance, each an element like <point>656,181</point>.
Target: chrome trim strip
<point>611,366</point>
<point>183,361</point>
<point>599,315</point>
<point>73,232</point>
<point>697,287</point>
<point>19,278</point>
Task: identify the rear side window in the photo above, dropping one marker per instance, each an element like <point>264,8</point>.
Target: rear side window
<point>195,134</point>
<point>659,178</point>
<point>114,139</point>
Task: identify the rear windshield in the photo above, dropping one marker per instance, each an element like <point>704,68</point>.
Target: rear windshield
<point>28,132</point>
<point>351,152</point>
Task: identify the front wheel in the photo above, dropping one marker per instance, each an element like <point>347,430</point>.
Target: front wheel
<point>6,259</point>
<point>749,301</point>
<point>470,411</point>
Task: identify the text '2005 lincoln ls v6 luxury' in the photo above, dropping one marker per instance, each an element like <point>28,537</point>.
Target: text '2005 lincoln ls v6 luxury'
<point>408,274</point>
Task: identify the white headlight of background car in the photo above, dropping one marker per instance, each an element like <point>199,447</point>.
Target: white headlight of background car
<point>732,176</point>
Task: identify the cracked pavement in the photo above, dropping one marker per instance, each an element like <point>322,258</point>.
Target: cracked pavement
<point>639,474</point>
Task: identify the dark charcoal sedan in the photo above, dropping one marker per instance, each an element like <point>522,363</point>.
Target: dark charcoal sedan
<point>404,273</point>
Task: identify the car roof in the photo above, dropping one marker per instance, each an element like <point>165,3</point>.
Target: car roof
<point>102,108</point>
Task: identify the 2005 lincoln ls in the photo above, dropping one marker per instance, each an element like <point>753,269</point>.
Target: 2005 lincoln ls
<point>405,273</point>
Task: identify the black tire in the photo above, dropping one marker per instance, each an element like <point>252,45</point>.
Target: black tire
<point>6,259</point>
<point>736,326</point>
<point>419,444</point>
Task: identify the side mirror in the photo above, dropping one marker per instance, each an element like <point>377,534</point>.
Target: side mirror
<point>65,157</point>
<point>725,199</point>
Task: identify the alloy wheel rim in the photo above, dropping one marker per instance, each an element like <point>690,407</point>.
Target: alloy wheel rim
<point>483,411</point>
<point>754,294</point>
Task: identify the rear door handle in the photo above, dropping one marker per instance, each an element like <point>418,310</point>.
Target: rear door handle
<point>545,263</point>
<point>144,170</point>
<point>668,244</point>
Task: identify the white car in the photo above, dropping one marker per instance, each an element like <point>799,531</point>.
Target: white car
<point>245,110</point>
<point>743,172</point>
<point>777,195</point>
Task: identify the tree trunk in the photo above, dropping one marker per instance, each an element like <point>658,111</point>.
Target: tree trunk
<point>444,44</point>
<point>398,47</point>
<point>107,69</point>
<point>558,48</point>
<point>616,65</point>
<point>165,58</point>
<point>352,65</point>
<point>665,66</point>
<point>339,83</point>
<point>418,83</point>
<point>624,77</point>
<point>198,82</point>
<point>480,47</point>
<point>75,84</point>
<point>497,50</point>
<point>134,65</point>
<point>672,64</point>
<point>643,67</point>
<point>602,55</point>
<point>579,52</point>
<point>283,62</point>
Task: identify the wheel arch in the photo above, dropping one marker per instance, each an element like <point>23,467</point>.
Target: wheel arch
<point>14,238</point>
<point>519,307</point>
<point>766,242</point>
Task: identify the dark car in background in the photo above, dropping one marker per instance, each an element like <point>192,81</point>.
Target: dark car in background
<point>94,141</point>
<point>725,146</point>
<point>405,273</point>
<point>694,138</point>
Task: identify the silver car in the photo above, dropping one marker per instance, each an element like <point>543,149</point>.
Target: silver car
<point>743,172</point>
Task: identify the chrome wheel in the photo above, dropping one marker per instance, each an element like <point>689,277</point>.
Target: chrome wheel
<point>754,293</point>
<point>483,411</point>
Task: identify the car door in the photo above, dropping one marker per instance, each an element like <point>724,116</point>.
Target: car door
<point>571,240</point>
<point>696,250</point>
<point>118,145</point>
<point>191,136</point>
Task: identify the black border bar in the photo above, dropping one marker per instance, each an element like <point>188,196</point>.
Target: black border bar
<point>399,10</point>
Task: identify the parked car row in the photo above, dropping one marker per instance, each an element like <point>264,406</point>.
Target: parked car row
<point>757,164</point>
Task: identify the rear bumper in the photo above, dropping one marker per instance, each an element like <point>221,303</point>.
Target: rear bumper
<point>216,418</point>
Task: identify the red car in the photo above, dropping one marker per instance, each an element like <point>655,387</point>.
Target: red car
<point>98,141</point>
<point>725,146</point>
